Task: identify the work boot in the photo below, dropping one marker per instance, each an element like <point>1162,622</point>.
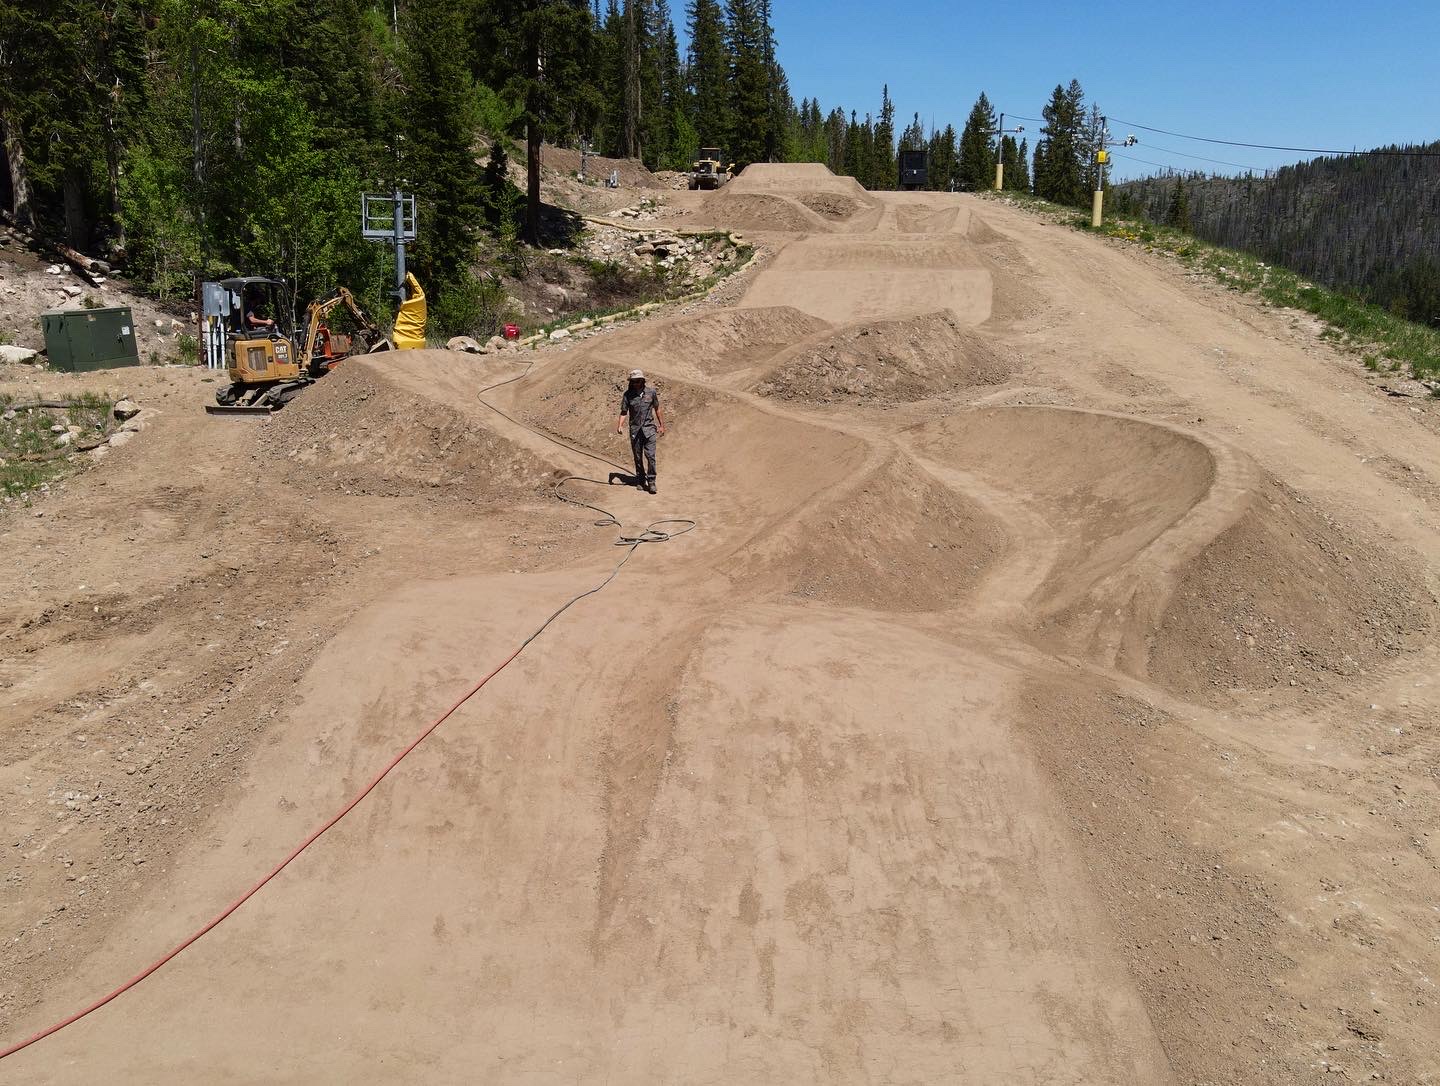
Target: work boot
<point>650,486</point>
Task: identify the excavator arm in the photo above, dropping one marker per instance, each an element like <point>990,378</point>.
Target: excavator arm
<point>318,311</point>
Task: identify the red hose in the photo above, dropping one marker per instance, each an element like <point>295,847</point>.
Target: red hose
<point>248,894</point>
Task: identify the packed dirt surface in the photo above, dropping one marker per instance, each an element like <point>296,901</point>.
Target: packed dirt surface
<point>1046,694</point>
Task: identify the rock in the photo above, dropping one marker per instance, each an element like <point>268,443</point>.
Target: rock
<point>57,429</point>
<point>134,425</point>
<point>99,452</point>
<point>17,355</point>
<point>463,343</point>
<point>557,252</point>
<point>64,439</point>
<point>72,290</point>
<point>560,333</point>
<point>645,248</point>
<point>54,269</point>
<point>125,409</point>
<point>496,342</point>
<point>124,437</point>
<point>9,416</point>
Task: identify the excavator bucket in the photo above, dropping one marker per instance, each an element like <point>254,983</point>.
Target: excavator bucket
<point>410,321</point>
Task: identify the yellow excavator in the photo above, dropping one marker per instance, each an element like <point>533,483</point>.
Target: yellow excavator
<point>269,365</point>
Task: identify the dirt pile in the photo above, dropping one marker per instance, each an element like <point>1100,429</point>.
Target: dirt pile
<point>1285,597</point>
<point>633,174</point>
<point>835,206</point>
<point>899,541</point>
<point>800,178</point>
<point>714,343</point>
<point>890,362</point>
<point>356,432</point>
<point>733,209</point>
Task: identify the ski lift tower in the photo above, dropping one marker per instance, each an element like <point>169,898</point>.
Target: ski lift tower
<point>390,218</point>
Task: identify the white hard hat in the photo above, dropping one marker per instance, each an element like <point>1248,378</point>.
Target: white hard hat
<point>637,375</point>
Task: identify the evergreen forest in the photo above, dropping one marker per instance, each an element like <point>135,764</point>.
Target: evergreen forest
<point>1366,224</point>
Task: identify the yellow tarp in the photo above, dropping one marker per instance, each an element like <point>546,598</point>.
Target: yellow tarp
<point>410,321</point>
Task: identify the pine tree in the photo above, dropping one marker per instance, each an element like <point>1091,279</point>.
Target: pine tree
<point>1178,215</point>
<point>749,84</point>
<point>977,152</point>
<point>884,174</point>
<point>519,33</point>
<point>438,164</point>
<point>1058,174</point>
<point>854,157</point>
<point>707,72</point>
<point>835,128</point>
<point>1022,169</point>
<point>944,160</point>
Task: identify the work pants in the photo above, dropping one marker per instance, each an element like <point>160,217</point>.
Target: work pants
<point>642,444</point>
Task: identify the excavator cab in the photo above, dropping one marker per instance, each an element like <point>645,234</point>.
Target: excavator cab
<point>244,331</point>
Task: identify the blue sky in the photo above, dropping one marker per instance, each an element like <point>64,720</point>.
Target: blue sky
<point>1314,74</point>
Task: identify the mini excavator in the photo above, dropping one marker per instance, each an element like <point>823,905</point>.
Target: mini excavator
<point>268,365</point>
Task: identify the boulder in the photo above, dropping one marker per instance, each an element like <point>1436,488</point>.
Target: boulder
<point>9,353</point>
<point>125,409</point>
<point>464,343</point>
<point>124,437</point>
<point>560,333</point>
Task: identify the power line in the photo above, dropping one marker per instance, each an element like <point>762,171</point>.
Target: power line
<point>1237,143</point>
<point>1200,158</point>
<point>1276,147</point>
<point>1132,158</point>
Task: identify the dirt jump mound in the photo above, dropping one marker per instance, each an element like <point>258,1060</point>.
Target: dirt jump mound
<point>896,541</point>
<point>889,362</point>
<point>714,343</point>
<point>833,206</point>
<point>358,432</point>
<point>1285,597</point>
<point>760,211</point>
<point>1176,559</point>
<point>795,178</point>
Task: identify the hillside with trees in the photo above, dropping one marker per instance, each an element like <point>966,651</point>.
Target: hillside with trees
<point>187,138</point>
<point>1367,224</point>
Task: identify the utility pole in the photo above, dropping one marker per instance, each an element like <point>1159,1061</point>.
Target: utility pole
<point>1000,134</point>
<point>1102,163</point>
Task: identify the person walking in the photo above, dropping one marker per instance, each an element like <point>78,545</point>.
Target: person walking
<point>640,404</point>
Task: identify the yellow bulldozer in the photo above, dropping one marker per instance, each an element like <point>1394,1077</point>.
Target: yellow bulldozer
<point>269,365</point>
<point>709,171</point>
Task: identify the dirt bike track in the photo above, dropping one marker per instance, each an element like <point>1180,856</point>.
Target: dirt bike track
<point>1046,695</point>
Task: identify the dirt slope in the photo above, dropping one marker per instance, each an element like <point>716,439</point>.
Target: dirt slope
<point>1070,721</point>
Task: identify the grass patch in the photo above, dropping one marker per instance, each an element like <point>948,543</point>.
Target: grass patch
<point>1382,340</point>
<point>30,457</point>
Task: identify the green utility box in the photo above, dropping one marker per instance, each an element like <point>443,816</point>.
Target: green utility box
<point>90,339</point>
